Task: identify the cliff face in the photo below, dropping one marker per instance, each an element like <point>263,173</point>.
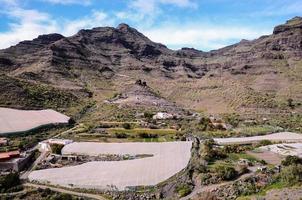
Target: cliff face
<point>244,76</point>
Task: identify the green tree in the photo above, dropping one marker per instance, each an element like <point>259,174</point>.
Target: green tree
<point>56,148</point>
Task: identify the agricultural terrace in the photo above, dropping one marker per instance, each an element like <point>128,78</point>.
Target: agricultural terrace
<point>168,159</point>
<point>14,121</point>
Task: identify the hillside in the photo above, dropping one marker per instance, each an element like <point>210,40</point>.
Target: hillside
<point>258,76</point>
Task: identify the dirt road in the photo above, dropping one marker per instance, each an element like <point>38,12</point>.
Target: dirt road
<point>80,194</point>
<point>42,156</point>
<point>199,189</point>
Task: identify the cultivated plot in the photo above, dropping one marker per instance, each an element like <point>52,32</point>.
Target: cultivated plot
<point>168,159</point>
<point>293,149</point>
<point>14,121</point>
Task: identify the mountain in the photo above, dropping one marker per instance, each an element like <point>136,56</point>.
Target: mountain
<point>260,75</point>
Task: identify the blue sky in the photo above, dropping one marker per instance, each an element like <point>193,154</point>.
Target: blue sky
<point>202,24</point>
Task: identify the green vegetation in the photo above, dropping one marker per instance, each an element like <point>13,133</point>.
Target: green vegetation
<point>20,93</point>
<point>126,126</point>
<point>225,172</point>
<point>291,175</point>
<point>138,131</point>
<point>233,119</point>
<point>291,160</point>
<point>257,130</point>
<point>235,148</point>
<point>210,153</point>
<point>183,190</point>
<point>40,193</point>
<point>292,122</point>
<point>237,156</point>
<point>148,135</point>
<point>264,143</point>
<point>62,197</point>
<point>56,148</point>
<point>10,182</point>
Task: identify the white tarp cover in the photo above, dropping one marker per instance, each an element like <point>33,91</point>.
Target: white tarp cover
<point>275,137</point>
<point>169,158</point>
<point>13,121</point>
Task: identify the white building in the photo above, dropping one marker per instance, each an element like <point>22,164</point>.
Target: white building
<point>45,145</point>
<point>59,141</point>
<point>162,115</point>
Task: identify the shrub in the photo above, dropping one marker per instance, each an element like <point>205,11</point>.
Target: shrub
<point>62,197</point>
<point>9,181</point>
<point>233,119</point>
<point>210,152</point>
<point>264,143</point>
<point>148,115</point>
<point>291,160</point>
<point>126,126</point>
<point>56,148</point>
<point>225,172</point>
<point>292,174</point>
<point>121,135</point>
<point>290,103</point>
<point>45,192</point>
<point>147,135</point>
<point>235,148</point>
<point>263,162</point>
<point>183,190</point>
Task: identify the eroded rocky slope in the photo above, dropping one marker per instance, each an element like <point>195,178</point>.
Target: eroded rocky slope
<point>250,76</point>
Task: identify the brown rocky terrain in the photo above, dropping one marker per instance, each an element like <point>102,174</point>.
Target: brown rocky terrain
<point>247,77</point>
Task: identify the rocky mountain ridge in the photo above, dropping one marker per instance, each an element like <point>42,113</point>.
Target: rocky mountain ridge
<point>265,69</point>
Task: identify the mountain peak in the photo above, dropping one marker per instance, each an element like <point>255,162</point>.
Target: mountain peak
<point>123,26</point>
<point>294,23</point>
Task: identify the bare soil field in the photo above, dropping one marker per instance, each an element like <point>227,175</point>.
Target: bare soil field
<point>275,137</point>
<point>267,156</point>
<point>285,149</point>
<point>14,121</point>
<point>168,159</point>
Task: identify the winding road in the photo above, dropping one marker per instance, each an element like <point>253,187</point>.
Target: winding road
<point>80,194</point>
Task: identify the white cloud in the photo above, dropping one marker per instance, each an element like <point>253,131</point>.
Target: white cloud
<point>152,7</point>
<point>67,2</point>
<point>28,24</point>
<point>97,18</point>
<point>280,8</point>
<point>201,36</point>
<point>179,3</point>
<point>10,2</point>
